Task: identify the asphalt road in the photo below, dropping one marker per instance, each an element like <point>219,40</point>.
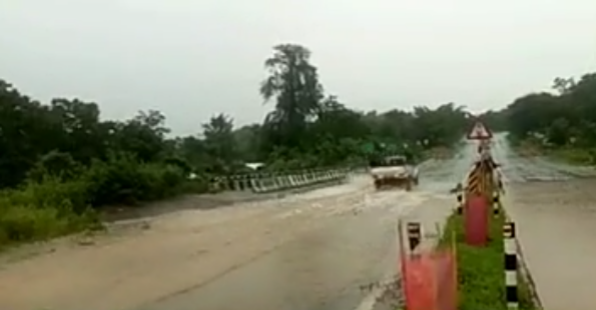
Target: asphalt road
<point>310,251</point>
<point>554,206</point>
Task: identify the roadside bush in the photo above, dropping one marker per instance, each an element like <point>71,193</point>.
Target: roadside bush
<point>54,163</point>
<point>119,180</point>
<point>45,209</point>
<point>24,223</point>
<point>200,184</point>
<point>51,205</point>
<point>50,192</point>
<point>122,179</point>
<point>579,156</point>
<point>161,181</point>
<point>180,163</point>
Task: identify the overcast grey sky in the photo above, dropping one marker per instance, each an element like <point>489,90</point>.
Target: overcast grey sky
<point>192,59</point>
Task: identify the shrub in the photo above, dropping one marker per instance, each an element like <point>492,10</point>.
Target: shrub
<point>199,184</point>
<point>51,192</point>
<point>54,163</point>
<point>180,163</point>
<point>43,210</point>
<point>574,155</point>
<point>50,205</point>
<point>23,223</point>
<point>161,181</point>
<point>122,179</point>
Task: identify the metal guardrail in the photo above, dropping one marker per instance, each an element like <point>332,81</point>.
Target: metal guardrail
<point>266,182</point>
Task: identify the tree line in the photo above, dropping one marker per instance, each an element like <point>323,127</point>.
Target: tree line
<point>564,118</point>
<point>60,162</point>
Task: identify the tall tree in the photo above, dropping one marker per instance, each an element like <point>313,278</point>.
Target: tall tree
<point>219,140</point>
<point>294,82</point>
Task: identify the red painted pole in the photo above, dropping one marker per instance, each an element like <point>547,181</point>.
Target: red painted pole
<point>476,218</point>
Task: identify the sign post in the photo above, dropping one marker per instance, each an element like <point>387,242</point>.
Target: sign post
<point>479,132</point>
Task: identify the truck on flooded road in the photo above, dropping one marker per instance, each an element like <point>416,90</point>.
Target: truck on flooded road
<point>393,172</point>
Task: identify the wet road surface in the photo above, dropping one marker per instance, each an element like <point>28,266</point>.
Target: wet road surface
<point>312,250</point>
<point>554,206</point>
<point>307,251</point>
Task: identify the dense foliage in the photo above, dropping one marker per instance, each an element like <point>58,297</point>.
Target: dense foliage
<point>60,160</point>
<point>565,118</point>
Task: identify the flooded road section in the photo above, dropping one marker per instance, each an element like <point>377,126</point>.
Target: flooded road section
<point>312,250</point>
<point>554,206</point>
<point>308,251</point>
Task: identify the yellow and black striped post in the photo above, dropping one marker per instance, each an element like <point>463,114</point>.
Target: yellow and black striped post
<point>510,258</point>
<point>487,178</point>
<point>414,235</point>
<point>474,181</point>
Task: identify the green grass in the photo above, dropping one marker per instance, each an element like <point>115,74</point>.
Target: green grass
<point>481,280</point>
<point>567,154</point>
<point>576,156</point>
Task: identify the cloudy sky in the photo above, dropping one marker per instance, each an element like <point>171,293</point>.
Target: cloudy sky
<point>191,59</point>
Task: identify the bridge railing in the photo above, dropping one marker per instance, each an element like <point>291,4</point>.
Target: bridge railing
<point>267,183</point>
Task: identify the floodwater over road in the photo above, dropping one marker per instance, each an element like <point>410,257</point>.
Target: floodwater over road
<point>307,251</point>
<point>312,251</point>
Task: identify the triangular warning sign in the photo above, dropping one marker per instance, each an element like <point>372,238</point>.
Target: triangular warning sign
<point>479,132</point>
